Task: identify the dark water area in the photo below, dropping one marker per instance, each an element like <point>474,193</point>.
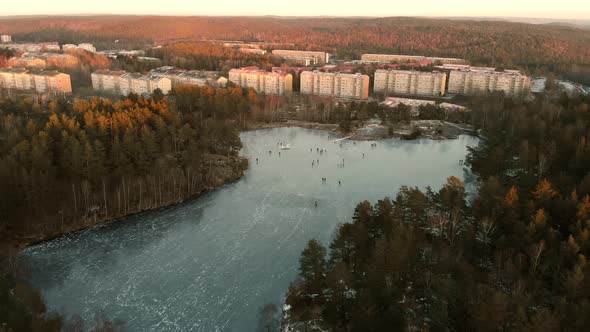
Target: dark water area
<point>211,263</point>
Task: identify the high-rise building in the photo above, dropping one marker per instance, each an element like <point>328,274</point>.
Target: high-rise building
<point>335,84</point>
<point>314,58</point>
<point>270,83</point>
<point>386,58</point>
<point>190,77</point>
<point>121,82</point>
<point>409,82</point>
<point>38,81</point>
<point>5,39</point>
<point>474,80</point>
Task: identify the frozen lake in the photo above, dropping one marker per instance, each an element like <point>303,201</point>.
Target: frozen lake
<point>209,264</point>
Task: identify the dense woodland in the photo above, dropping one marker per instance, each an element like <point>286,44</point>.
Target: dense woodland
<point>562,50</point>
<point>73,162</point>
<point>511,258</point>
<point>210,56</point>
<point>66,165</point>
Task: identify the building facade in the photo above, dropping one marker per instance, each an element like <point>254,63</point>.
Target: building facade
<point>270,83</point>
<point>472,81</point>
<point>409,82</point>
<point>39,81</point>
<point>30,47</point>
<point>121,82</point>
<point>315,58</point>
<point>340,85</point>
<point>190,77</point>
<point>26,62</point>
<point>74,47</point>
<point>5,39</point>
<point>386,58</point>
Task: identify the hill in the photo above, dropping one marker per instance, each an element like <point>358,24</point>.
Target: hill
<point>559,49</point>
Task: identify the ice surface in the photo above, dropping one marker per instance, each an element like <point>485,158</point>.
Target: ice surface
<point>209,264</point>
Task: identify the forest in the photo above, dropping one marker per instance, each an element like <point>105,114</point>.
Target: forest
<point>69,164</point>
<point>510,257</point>
<point>538,49</point>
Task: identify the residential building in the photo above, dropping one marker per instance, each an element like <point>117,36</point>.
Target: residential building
<point>474,80</point>
<point>29,47</point>
<point>385,58</point>
<point>303,56</point>
<point>409,82</point>
<point>5,39</point>
<point>59,60</point>
<point>190,77</point>
<point>39,81</point>
<point>74,47</point>
<point>123,83</point>
<point>26,61</point>
<point>335,84</point>
<point>87,47</point>
<point>270,83</point>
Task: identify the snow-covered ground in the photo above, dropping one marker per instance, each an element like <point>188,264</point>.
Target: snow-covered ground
<point>571,88</point>
<point>538,84</point>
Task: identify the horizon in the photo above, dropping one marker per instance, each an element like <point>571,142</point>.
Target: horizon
<point>579,22</point>
<point>576,10</point>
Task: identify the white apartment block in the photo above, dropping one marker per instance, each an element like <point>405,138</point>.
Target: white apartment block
<point>318,58</point>
<point>190,77</point>
<point>475,80</point>
<point>30,47</point>
<point>335,84</point>
<point>409,82</point>
<point>83,46</point>
<point>387,58</point>
<point>38,81</point>
<point>5,39</point>
<point>123,83</point>
<point>270,83</point>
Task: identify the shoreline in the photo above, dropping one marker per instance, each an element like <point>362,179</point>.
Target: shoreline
<point>356,134</point>
<point>373,131</point>
<point>21,243</point>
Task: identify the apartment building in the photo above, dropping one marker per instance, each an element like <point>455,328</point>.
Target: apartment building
<point>270,83</point>
<point>26,62</point>
<point>74,47</point>
<point>122,82</point>
<point>190,77</point>
<point>39,81</point>
<point>387,58</point>
<point>30,47</point>
<point>335,84</point>
<point>5,39</point>
<point>315,58</point>
<point>409,82</point>
<point>474,80</point>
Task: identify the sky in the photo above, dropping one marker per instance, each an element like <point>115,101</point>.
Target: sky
<point>563,9</point>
